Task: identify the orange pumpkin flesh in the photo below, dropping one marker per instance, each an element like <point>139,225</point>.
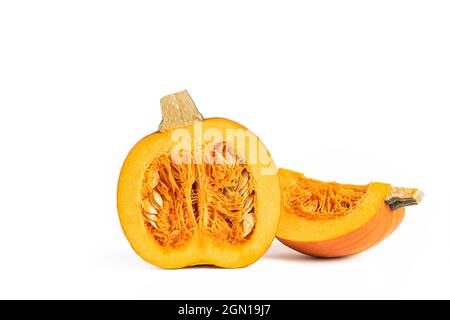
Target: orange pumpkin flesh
<point>211,204</point>
<point>327,219</point>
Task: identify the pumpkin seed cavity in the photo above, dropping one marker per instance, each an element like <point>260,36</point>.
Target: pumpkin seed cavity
<point>214,198</point>
<point>317,200</point>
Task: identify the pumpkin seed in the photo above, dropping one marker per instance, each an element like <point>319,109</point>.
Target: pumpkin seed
<point>249,223</point>
<point>248,202</point>
<point>153,223</point>
<point>152,217</point>
<point>243,180</point>
<point>245,193</point>
<point>158,199</point>
<point>149,208</point>
<point>154,179</point>
<point>248,209</point>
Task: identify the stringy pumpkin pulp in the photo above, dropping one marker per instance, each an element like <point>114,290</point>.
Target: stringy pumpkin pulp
<point>317,200</point>
<point>215,198</point>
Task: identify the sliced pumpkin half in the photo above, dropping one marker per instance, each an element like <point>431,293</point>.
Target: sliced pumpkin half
<point>329,219</point>
<point>198,191</point>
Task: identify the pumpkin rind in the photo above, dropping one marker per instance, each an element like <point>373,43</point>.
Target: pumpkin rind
<point>370,234</point>
<point>201,249</point>
<point>362,228</point>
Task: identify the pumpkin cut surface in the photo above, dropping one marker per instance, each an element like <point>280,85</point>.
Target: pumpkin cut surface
<point>206,202</point>
<point>328,219</point>
<point>317,200</point>
<point>179,200</point>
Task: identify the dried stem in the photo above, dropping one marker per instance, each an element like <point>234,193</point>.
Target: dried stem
<point>402,197</point>
<point>178,110</point>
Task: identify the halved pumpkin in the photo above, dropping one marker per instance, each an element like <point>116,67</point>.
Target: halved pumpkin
<point>328,219</point>
<point>198,191</point>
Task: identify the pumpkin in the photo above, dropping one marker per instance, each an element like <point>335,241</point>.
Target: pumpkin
<point>198,191</point>
<point>328,219</point>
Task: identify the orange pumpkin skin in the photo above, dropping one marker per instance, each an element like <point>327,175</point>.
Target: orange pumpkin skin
<point>354,242</point>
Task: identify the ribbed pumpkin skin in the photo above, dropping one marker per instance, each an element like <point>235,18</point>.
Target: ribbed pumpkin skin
<point>370,234</point>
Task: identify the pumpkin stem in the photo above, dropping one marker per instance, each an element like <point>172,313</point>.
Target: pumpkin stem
<point>178,110</point>
<point>401,197</point>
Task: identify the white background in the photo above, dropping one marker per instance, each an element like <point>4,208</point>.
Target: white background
<point>353,91</point>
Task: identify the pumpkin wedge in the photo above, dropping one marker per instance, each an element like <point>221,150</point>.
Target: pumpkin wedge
<point>198,191</point>
<point>328,219</point>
